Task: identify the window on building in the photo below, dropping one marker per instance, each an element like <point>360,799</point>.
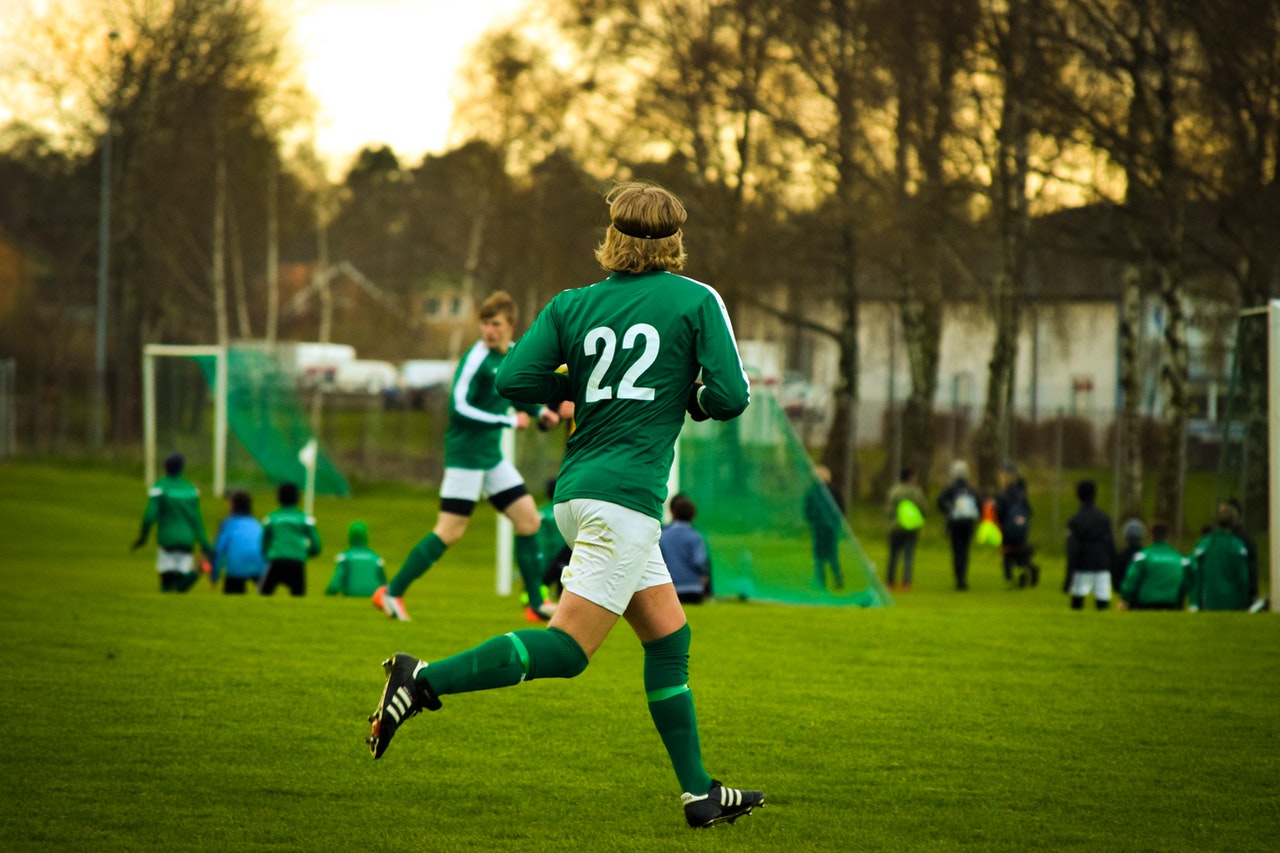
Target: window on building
<point>1081,395</point>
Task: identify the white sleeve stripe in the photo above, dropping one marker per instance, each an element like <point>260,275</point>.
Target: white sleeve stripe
<point>728,324</point>
<point>475,357</point>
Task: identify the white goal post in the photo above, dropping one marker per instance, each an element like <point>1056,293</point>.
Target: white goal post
<point>1273,442</point>
<point>1272,312</point>
<point>150,353</point>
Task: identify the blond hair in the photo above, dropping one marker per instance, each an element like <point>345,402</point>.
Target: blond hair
<point>644,230</point>
<point>499,302</point>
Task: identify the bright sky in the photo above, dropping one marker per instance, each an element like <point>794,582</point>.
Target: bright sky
<point>383,71</point>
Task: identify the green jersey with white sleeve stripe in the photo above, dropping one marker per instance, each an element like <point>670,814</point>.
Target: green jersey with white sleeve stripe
<point>634,344</point>
<point>477,412</point>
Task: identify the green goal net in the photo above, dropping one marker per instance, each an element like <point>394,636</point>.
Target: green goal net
<point>755,490</point>
<point>266,425</point>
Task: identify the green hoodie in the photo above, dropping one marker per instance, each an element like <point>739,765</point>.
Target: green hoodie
<point>289,534</point>
<point>173,507</point>
<point>360,571</point>
<point>1220,572</point>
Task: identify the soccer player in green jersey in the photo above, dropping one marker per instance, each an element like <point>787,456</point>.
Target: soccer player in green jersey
<point>173,508</point>
<point>635,345</point>
<point>474,467</point>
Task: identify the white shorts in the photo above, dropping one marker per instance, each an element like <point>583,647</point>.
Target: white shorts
<point>615,552</point>
<point>1098,583</point>
<point>175,561</point>
<point>471,484</point>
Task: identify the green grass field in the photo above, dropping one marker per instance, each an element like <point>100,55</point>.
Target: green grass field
<point>989,721</point>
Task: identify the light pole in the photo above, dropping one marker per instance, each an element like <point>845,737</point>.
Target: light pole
<point>104,260</point>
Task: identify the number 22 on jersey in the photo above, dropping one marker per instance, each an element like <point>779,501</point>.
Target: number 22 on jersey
<point>603,341</point>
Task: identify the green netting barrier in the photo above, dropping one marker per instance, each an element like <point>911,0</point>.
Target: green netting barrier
<point>750,478</point>
<point>267,424</point>
<point>1243,464</point>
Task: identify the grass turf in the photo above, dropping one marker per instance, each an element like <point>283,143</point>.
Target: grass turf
<point>992,720</point>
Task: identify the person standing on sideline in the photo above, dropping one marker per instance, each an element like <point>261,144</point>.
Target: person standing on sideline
<point>685,552</point>
<point>474,467</point>
<point>905,508</point>
<point>289,538</point>
<point>1220,567</point>
<point>635,344</point>
<point>1134,534</point>
<point>238,547</point>
<point>173,508</point>
<point>961,508</point>
<point>1238,529</point>
<point>360,570</point>
<point>1013,513</point>
<point>824,510</point>
<point>1090,550</point>
<point>1158,576</point>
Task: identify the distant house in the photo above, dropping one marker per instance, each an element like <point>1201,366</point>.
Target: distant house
<point>1068,352</point>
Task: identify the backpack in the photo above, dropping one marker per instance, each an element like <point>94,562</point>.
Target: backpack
<point>909,515</point>
<point>964,507</point>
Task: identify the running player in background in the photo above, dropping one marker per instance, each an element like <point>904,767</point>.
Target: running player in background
<point>474,467</point>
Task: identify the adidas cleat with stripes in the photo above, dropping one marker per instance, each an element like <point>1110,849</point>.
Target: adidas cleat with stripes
<point>719,805</point>
<point>403,697</point>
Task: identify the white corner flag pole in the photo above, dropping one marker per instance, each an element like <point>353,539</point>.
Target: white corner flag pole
<point>506,531</point>
<point>307,456</point>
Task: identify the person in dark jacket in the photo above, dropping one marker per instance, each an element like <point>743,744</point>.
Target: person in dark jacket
<point>1091,550</point>
<point>960,506</point>
<point>824,512</point>
<point>1013,514</point>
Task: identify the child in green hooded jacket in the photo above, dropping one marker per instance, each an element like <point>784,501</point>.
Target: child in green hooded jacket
<point>360,571</point>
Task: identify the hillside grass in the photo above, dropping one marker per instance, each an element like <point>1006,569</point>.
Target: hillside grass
<point>993,720</point>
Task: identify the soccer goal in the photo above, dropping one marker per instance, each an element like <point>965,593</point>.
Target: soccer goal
<point>756,491</point>
<point>150,427</point>
<point>1249,466</point>
<point>255,434</point>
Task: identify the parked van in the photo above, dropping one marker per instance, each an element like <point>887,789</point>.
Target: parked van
<point>367,376</point>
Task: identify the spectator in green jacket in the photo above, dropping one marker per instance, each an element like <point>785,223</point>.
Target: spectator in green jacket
<point>173,508</point>
<point>1158,576</point>
<point>289,537</point>
<point>1220,567</point>
<point>360,570</point>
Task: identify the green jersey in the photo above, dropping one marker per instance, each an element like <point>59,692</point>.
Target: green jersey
<point>289,534</point>
<point>359,573</point>
<point>173,508</point>
<point>633,345</point>
<point>477,412</point>
<point>1220,572</point>
<point>1158,574</point>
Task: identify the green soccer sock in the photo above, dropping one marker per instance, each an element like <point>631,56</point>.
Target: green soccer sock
<point>529,561</point>
<point>666,677</point>
<point>422,557</point>
<point>506,660</point>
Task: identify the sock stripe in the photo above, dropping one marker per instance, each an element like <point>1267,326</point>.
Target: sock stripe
<point>666,692</point>
<point>522,652</point>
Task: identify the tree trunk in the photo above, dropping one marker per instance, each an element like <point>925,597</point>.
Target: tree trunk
<point>1129,428</point>
<point>219,274</point>
<point>921,333</point>
<point>273,250</point>
<point>1173,385</point>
